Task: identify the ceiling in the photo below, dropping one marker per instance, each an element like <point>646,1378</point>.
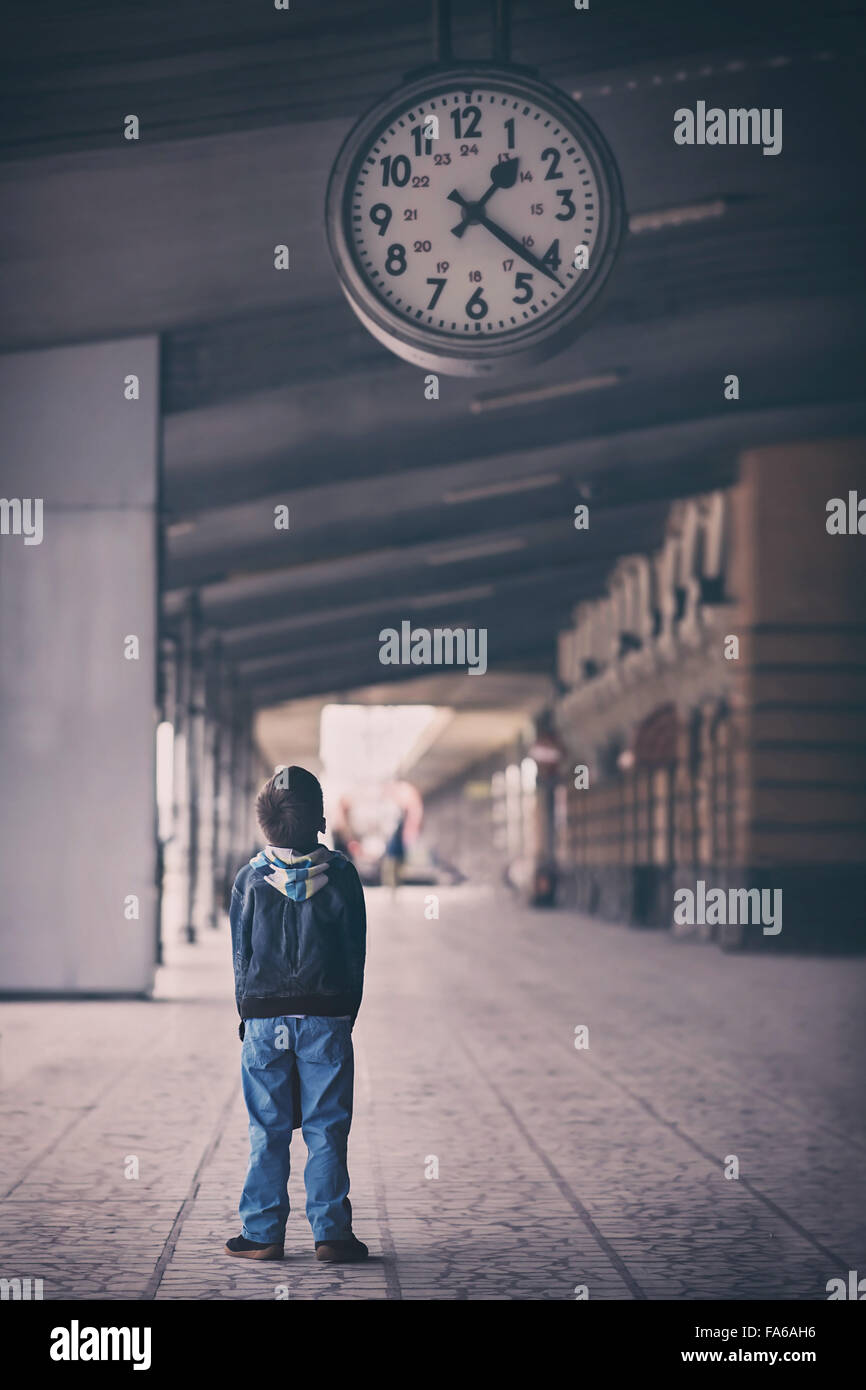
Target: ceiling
<point>273,393</point>
<point>476,717</point>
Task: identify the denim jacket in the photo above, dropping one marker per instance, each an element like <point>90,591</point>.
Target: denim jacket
<point>298,957</point>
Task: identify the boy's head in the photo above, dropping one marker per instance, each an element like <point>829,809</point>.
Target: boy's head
<point>289,809</point>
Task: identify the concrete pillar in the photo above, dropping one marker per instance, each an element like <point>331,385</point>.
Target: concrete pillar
<point>78,677</point>
<point>169,791</point>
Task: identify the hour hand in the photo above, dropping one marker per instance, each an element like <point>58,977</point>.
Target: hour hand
<point>502,175</point>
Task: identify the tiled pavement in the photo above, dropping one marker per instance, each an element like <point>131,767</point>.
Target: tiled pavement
<point>557,1167</point>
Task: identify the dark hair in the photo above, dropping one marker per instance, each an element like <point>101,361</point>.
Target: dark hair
<point>289,808</point>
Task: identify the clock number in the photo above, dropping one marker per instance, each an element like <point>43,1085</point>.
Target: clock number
<point>537,209</point>
<point>422,145</point>
<point>422,246</point>
<point>441,159</point>
<point>564,196</point>
<point>396,262</point>
<point>472,116</point>
<point>380,213</point>
<point>476,305</point>
<point>508,263</point>
<point>396,170</point>
<point>523,283</point>
<point>440,284</point>
<point>474,277</point>
<point>442,266</point>
<point>420,180</point>
<point>554,157</point>
<point>551,256</point>
<point>509,126</point>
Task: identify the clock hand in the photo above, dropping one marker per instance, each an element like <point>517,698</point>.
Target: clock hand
<point>502,175</point>
<point>519,249</point>
<point>455,197</point>
<point>505,237</point>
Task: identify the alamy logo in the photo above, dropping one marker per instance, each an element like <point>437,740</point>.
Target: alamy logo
<point>846,518</point>
<point>715,907</point>
<point>21,1289</point>
<point>77,1343</point>
<point>855,1288</point>
<point>22,516</point>
<point>737,126</point>
<point>441,646</point>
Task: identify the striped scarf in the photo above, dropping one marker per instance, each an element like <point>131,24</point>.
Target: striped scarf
<point>296,876</point>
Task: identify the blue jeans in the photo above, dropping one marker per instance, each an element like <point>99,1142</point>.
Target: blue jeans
<point>321,1051</point>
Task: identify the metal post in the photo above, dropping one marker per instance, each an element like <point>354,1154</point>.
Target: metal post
<point>442,50</point>
<point>191,658</point>
<point>212,676</point>
<point>502,31</point>
<point>220,715</point>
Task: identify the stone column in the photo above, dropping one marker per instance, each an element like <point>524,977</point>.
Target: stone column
<point>78,631</point>
<point>800,696</point>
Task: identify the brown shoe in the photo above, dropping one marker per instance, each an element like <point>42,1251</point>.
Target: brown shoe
<point>251,1250</point>
<point>349,1251</point>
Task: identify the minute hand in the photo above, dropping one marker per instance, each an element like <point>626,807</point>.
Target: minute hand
<point>518,248</point>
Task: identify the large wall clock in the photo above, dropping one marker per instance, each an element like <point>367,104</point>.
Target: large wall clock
<point>482,248</point>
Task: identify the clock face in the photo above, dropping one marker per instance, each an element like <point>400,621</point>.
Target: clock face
<point>472,214</point>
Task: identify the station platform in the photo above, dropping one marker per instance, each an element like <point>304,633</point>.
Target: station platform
<point>563,1172</point>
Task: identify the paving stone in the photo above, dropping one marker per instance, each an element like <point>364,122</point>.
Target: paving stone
<point>558,1168</point>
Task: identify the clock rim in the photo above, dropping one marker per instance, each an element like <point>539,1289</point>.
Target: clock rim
<point>428,347</point>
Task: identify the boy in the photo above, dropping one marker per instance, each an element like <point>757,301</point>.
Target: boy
<point>298,943</point>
